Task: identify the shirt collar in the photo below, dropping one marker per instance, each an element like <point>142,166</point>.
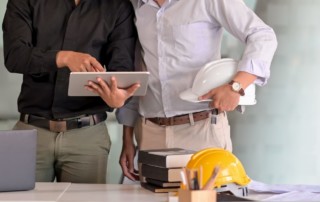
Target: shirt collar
<point>141,2</point>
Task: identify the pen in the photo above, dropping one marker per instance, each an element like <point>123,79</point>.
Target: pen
<point>194,182</point>
<point>200,177</point>
<point>184,183</point>
<point>210,183</point>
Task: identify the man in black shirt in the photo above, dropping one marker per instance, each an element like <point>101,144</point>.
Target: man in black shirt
<point>47,39</point>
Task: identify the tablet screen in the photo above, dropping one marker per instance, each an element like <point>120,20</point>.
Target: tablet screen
<point>78,81</point>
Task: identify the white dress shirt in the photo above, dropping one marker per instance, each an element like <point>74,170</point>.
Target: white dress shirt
<point>181,36</point>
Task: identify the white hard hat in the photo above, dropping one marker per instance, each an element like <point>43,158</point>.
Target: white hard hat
<point>215,74</point>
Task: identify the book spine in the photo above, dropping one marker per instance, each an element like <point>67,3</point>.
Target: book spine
<point>150,159</point>
<point>154,172</point>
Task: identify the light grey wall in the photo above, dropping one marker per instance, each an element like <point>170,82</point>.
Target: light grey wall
<point>9,83</point>
<point>278,139</point>
<point>3,5</point>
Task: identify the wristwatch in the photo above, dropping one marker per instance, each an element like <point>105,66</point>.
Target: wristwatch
<point>236,87</point>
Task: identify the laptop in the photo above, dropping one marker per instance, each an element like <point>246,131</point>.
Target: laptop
<point>17,160</point>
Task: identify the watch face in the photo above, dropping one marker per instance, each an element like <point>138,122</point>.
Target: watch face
<point>236,86</point>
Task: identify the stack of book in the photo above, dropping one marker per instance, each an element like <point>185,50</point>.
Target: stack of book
<point>161,168</point>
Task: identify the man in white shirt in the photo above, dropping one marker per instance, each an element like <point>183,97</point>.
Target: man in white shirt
<point>178,37</point>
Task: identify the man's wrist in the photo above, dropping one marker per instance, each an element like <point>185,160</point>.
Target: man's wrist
<point>61,59</point>
<point>237,87</point>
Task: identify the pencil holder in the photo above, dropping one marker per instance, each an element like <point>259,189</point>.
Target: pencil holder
<point>185,195</point>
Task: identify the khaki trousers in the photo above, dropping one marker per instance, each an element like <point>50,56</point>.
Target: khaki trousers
<point>78,156</point>
<point>211,132</point>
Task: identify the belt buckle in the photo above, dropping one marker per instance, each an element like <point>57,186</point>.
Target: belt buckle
<point>58,126</point>
<point>215,111</point>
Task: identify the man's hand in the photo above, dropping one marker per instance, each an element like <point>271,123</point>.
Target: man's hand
<point>78,62</point>
<point>127,154</point>
<point>223,98</point>
<point>112,95</point>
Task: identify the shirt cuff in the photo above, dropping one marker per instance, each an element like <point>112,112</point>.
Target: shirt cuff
<point>128,114</point>
<point>256,67</point>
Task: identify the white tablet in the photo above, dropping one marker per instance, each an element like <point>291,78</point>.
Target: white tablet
<point>78,80</point>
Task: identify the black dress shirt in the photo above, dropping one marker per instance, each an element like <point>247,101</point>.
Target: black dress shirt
<point>35,30</point>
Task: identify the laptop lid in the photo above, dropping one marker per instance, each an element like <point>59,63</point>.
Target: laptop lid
<point>17,160</point>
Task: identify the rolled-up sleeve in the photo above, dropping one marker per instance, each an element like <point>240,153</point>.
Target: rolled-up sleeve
<point>128,114</point>
<point>259,38</point>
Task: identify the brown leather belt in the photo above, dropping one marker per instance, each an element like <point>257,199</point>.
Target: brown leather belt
<point>63,125</point>
<point>182,119</point>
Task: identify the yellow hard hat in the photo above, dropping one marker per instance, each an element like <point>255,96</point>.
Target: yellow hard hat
<point>232,174</point>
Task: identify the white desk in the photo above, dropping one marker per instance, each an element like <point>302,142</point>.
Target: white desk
<point>84,192</point>
<point>63,192</point>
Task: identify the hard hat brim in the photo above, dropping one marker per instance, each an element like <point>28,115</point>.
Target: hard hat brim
<point>188,95</point>
<point>245,100</point>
